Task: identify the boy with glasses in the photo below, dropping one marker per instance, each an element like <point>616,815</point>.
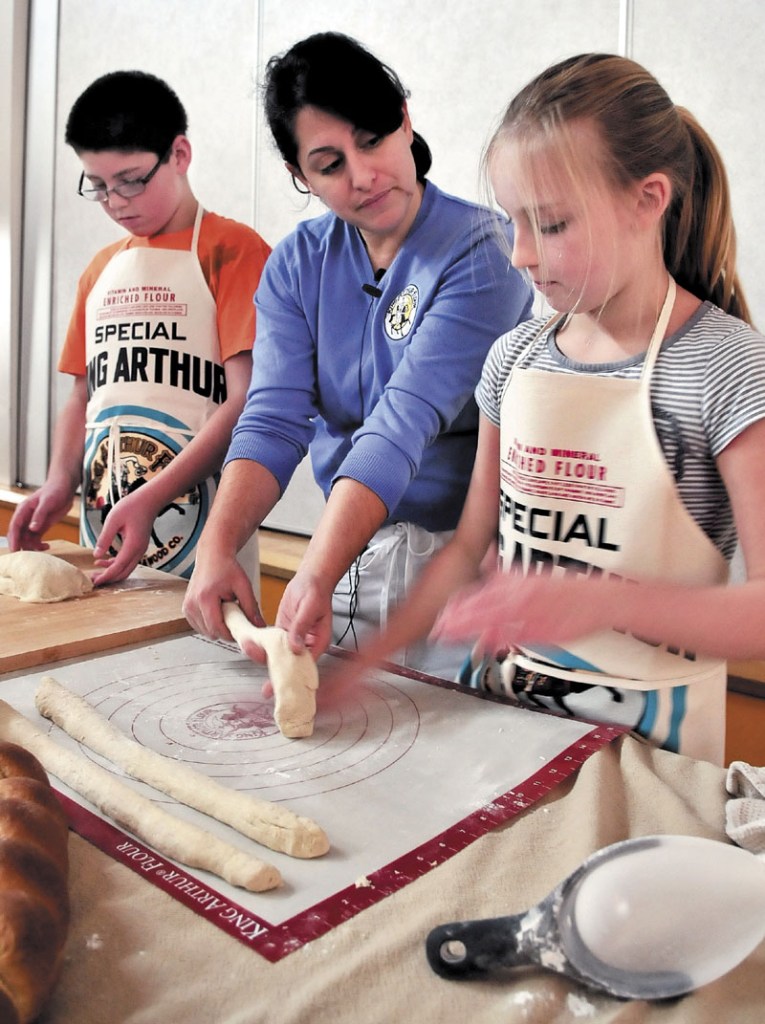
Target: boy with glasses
<point>159,343</point>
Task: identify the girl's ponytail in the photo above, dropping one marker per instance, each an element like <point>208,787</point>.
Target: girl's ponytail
<point>699,236</point>
<point>642,132</point>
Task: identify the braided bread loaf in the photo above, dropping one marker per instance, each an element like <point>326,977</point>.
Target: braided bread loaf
<point>34,897</point>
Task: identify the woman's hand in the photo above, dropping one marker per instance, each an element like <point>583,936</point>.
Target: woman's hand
<point>305,611</point>
<point>218,578</point>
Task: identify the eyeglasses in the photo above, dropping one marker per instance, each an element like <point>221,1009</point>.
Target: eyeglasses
<point>125,190</point>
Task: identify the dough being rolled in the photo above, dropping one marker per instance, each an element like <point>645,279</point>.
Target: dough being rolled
<point>170,836</point>
<point>265,822</point>
<point>39,577</point>
<point>294,677</point>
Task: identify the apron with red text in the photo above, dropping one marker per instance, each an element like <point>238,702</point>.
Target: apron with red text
<point>585,488</point>
<point>155,376</point>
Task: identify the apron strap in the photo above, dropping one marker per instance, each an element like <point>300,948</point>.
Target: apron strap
<point>197,228</point>
<point>654,346</point>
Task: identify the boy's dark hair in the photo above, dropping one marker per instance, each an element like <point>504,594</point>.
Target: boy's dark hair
<point>126,110</point>
<point>337,74</point>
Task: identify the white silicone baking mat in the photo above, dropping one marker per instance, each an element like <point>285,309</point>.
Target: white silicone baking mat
<point>400,773</point>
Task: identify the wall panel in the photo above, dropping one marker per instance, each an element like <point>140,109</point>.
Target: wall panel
<point>461,62</point>
<point>709,58</point>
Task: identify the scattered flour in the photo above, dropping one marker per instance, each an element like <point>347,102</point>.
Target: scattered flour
<point>579,1006</point>
<point>521,998</point>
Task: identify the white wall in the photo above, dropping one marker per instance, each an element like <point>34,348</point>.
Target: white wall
<point>460,60</point>
<point>13,38</point>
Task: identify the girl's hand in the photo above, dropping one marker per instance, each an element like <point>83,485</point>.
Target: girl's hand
<point>509,611</point>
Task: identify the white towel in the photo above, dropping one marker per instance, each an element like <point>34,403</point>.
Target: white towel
<point>745,810</point>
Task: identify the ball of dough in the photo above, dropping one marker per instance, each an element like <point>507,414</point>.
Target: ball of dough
<point>39,577</point>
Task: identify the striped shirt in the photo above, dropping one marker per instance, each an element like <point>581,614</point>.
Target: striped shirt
<point>707,387</point>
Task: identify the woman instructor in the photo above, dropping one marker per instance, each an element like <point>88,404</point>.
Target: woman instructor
<point>374,320</point>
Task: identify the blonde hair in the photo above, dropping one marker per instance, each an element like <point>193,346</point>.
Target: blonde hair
<point>642,132</point>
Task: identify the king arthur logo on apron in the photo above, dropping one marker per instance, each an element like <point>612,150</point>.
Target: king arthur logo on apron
<point>152,347</point>
<point>585,489</point>
<point>123,455</point>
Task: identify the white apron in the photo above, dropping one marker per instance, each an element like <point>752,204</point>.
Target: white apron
<point>380,579</point>
<point>585,488</point>
<point>155,376</point>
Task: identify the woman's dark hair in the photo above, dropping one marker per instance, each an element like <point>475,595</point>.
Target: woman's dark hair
<point>338,75</point>
<point>126,110</point>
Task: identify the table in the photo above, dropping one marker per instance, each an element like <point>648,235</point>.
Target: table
<point>136,956</point>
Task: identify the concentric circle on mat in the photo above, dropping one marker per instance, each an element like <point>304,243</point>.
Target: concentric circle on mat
<point>211,716</point>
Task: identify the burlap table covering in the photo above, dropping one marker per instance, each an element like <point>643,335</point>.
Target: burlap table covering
<point>136,956</point>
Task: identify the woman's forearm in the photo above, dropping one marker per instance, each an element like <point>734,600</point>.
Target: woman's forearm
<point>352,516</point>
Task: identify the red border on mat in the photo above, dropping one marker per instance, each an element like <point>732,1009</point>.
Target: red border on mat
<point>274,942</point>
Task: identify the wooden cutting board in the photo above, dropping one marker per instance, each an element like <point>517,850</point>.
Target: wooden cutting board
<point>143,607</point>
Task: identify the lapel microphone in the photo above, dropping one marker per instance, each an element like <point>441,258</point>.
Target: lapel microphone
<point>370,289</point>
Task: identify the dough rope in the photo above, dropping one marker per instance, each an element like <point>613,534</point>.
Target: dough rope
<point>294,677</point>
<point>267,823</point>
<point>168,835</point>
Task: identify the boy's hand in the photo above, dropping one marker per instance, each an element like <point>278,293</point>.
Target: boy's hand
<point>131,521</point>
<point>35,516</point>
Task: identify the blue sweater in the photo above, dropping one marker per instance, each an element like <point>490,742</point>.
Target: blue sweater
<point>380,386</point>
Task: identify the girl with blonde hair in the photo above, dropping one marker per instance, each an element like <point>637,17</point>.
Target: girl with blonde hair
<point>620,444</point>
